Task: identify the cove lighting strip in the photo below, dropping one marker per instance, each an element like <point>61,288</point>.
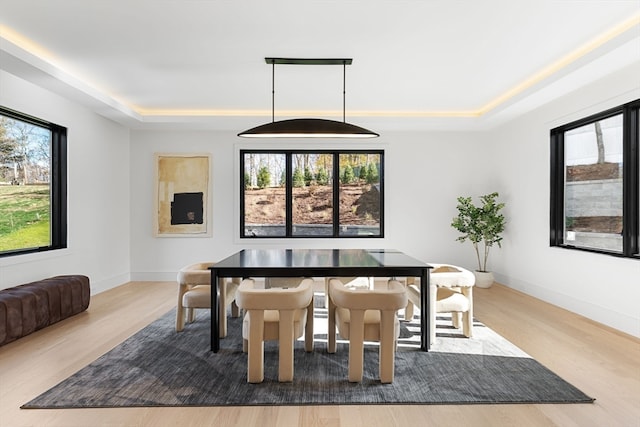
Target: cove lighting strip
<point>44,55</point>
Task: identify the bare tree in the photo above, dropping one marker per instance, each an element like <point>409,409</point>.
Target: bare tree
<point>10,158</point>
<point>252,169</point>
<point>600,142</point>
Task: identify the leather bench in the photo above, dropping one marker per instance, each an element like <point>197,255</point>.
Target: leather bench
<point>30,307</point>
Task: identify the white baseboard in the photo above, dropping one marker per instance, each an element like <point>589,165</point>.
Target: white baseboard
<point>154,276</point>
<point>611,318</point>
<point>106,284</point>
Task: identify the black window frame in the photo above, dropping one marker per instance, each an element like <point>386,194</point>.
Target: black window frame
<point>630,181</point>
<point>58,183</point>
<point>289,192</point>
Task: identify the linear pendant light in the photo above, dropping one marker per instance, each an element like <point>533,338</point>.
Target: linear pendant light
<point>308,128</point>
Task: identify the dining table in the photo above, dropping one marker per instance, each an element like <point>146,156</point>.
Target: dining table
<point>319,263</point>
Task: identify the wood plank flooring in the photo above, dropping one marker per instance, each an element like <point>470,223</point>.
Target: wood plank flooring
<point>602,362</point>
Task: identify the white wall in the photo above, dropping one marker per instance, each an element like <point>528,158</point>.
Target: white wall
<point>111,201</point>
<point>98,192</point>
<point>601,287</point>
<point>424,174</point>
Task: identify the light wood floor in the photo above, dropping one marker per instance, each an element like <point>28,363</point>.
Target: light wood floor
<point>601,362</point>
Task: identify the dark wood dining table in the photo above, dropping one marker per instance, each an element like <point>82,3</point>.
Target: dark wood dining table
<point>319,263</point>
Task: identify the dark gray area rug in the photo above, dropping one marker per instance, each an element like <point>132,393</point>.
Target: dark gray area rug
<point>159,367</point>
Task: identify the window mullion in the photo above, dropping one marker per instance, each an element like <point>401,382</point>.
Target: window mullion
<point>630,182</point>
<point>557,189</point>
<point>289,195</point>
<point>243,186</point>
<point>59,189</point>
<point>336,194</point>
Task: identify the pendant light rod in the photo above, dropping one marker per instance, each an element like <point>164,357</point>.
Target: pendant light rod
<point>309,128</point>
<point>273,92</point>
<point>309,61</point>
<point>344,91</point>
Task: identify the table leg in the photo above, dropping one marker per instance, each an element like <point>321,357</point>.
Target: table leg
<point>425,310</point>
<point>215,312</point>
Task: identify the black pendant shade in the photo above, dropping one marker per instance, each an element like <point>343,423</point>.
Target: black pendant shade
<point>308,128</point>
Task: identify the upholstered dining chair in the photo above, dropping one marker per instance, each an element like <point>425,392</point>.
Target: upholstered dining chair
<point>364,282</point>
<point>353,282</point>
<point>281,311</point>
<point>451,292</point>
<point>369,314</point>
<point>194,292</point>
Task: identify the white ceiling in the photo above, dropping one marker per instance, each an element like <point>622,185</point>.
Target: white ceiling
<point>416,64</point>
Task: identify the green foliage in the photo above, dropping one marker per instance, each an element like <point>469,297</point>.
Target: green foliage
<point>362,173</point>
<point>308,176</point>
<point>283,179</point>
<point>479,224</point>
<point>347,175</point>
<point>264,177</point>
<point>371,175</point>
<point>569,222</point>
<point>322,177</point>
<point>298,178</point>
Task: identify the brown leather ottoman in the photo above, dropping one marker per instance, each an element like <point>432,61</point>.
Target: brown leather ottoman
<point>27,308</point>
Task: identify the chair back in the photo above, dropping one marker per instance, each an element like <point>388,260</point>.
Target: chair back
<point>393,296</point>
<point>195,274</point>
<point>448,276</point>
<point>250,297</point>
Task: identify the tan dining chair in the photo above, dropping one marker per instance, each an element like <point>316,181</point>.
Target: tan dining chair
<point>451,291</point>
<point>194,292</point>
<point>364,282</point>
<point>354,282</point>
<point>275,311</point>
<point>361,314</point>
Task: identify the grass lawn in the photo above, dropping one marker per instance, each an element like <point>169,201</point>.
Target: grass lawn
<point>24,216</point>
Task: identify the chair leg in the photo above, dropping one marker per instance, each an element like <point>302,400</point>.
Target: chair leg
<point>467,325</point>
<point>223,322</point>
<point>433,289</point>
<point>331,331</point>
<point>255,357</point>
<point>180,309</point>
<point>455,319</point>
<point>408,311</point>
<point>387,346</point>
<point>235,310</point>
<point>179,319</point>
<point>326,292</point>
<point>191,315</point>
<point>356,345</point>
<point>285,346</point>
<point>467,318</point>
<point>308,329</point>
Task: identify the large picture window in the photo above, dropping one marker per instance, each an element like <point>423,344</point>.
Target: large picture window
<point>304,193</point>
<point>32,184</point>
<point>595,182</point>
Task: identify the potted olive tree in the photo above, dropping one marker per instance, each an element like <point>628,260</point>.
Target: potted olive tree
<point>480,224</point>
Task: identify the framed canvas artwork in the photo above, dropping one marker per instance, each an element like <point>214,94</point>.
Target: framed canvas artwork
<point>182,199</point>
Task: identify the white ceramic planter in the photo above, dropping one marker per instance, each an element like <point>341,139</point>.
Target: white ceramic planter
<point>484,279</point>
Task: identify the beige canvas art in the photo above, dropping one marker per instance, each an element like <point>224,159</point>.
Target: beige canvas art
<point>182,195</point>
